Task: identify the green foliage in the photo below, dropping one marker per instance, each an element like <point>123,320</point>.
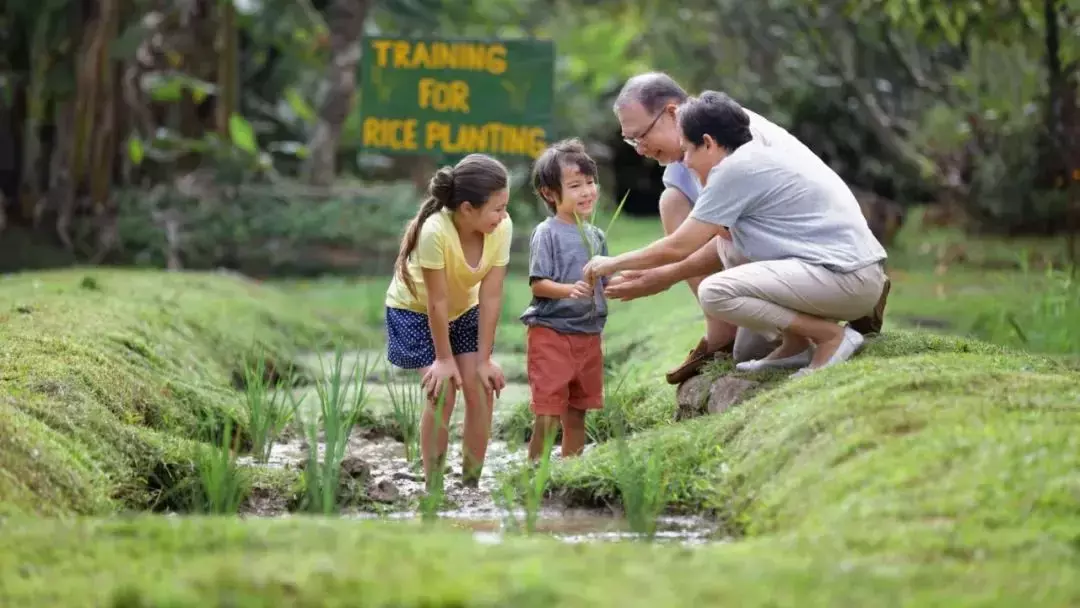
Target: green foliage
<point>267,229</point>
<point>222,485</point>
<point>242,135</point>
<point>338,413</point>
<point>269,411</point>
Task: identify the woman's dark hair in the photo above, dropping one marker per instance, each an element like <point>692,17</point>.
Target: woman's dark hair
<point>473,180</point>
<point>716,115</point>
<point>547,170</point>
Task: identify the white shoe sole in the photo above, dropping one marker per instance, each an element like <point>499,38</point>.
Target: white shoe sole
<point>792,362</point>
<point>853,342</point>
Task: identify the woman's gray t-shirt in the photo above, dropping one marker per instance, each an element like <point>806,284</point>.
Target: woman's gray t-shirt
<point>764,131</point>
<point>778,207</point>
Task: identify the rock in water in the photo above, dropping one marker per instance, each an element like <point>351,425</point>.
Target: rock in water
<point>700,395</point>
<point>384,491</point>
<point>355,468</point>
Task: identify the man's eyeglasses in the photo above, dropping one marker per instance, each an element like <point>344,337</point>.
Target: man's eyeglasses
<point>634,142</point>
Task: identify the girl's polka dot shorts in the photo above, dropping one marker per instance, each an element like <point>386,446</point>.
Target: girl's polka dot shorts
<point>409,344</point>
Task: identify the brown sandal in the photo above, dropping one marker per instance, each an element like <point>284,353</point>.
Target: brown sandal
<point>872,323</point>
<point>697,358</point>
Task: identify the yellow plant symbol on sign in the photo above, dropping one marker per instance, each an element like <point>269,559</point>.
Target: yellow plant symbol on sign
<point>519,93</point>
<point>382,89</point>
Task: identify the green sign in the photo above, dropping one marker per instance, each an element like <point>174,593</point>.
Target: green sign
<point>456,97</point>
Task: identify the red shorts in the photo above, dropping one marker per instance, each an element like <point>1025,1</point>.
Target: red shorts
<point>565,370</point>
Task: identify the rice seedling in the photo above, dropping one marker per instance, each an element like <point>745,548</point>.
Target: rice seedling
<point>584,233</point>
<point>222,486</point>
<point>527,485</point>
<point>640,481</point>
<point>339,410</point>
<point>269,411</point>
<point>406,405</point>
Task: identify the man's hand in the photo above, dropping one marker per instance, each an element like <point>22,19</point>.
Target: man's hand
<point>633,284</point>
<point>599,266</point>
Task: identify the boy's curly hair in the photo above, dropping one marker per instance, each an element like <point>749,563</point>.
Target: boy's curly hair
<point>547,170</point>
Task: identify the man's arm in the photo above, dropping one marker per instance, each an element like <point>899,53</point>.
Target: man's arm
<point>690,236</point>
<point>704,261</point>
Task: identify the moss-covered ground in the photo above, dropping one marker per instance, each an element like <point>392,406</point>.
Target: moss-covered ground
<point>933,470</point>
<point>108,377</point>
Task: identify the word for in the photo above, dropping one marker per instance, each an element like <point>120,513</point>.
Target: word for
<point>474,56</point>
<point>406,134</point>
<point>443,96</point>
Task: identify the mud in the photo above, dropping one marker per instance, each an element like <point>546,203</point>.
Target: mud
<point>394,486</point>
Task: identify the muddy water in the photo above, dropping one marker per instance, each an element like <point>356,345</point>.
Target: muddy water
<point>399,484</point>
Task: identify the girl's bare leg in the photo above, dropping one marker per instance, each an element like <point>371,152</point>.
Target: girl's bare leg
<point>478,411</point>
<point>433,445</point>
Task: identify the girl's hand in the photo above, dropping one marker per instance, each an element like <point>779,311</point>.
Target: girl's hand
<point>599,266</point>
<point>491,376</point>
<point>437,376</point>
<point>580,290</point>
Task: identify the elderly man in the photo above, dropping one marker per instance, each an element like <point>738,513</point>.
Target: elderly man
<point>813,260</point>
<point>646,109</point>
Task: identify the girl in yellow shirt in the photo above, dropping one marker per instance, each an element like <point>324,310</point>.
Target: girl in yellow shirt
<point>443,304</point>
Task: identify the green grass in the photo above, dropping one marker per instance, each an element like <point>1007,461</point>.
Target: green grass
<point>898,372</point>
<point>931,470</point>
<point>107,378</point>
<point>313,562</point>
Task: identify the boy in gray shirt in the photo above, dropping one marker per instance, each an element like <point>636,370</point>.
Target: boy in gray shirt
<point>564,350</point>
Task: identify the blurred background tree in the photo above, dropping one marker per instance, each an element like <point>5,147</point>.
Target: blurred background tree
<point>203,133</point>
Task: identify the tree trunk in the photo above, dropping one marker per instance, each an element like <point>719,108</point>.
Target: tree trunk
<point>227,48</point>
<point>346,19</point>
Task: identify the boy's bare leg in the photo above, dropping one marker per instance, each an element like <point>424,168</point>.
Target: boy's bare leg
<point>543,426</point>
<point>435,437</point>
<point>573,432</point>
<point>478,412</point>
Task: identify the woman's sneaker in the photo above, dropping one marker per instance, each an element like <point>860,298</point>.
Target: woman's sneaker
<point>795,361</point>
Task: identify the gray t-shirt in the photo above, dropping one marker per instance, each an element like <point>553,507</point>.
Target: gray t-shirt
<point>557,253</point>
<point>764,131</point>
<point>781,206</point>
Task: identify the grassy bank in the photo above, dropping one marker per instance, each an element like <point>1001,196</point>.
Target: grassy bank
<point>107,376</point>
<point>304,562</point>
<point>931,470</point>
<point>910,403</point>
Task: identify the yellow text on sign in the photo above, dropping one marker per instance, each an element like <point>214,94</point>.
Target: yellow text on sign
<point>444,96</point>
<point>490,138</point>
<point>477,57</point>
<point>392,133</point>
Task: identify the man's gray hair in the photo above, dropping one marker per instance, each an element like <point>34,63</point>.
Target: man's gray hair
<point>653,90</point>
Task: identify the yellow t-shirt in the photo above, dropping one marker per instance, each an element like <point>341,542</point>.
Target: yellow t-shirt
<point>439,247</point>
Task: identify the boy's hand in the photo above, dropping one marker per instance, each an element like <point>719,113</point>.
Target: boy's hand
<point>580,290</point>
<point>491,376</point>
